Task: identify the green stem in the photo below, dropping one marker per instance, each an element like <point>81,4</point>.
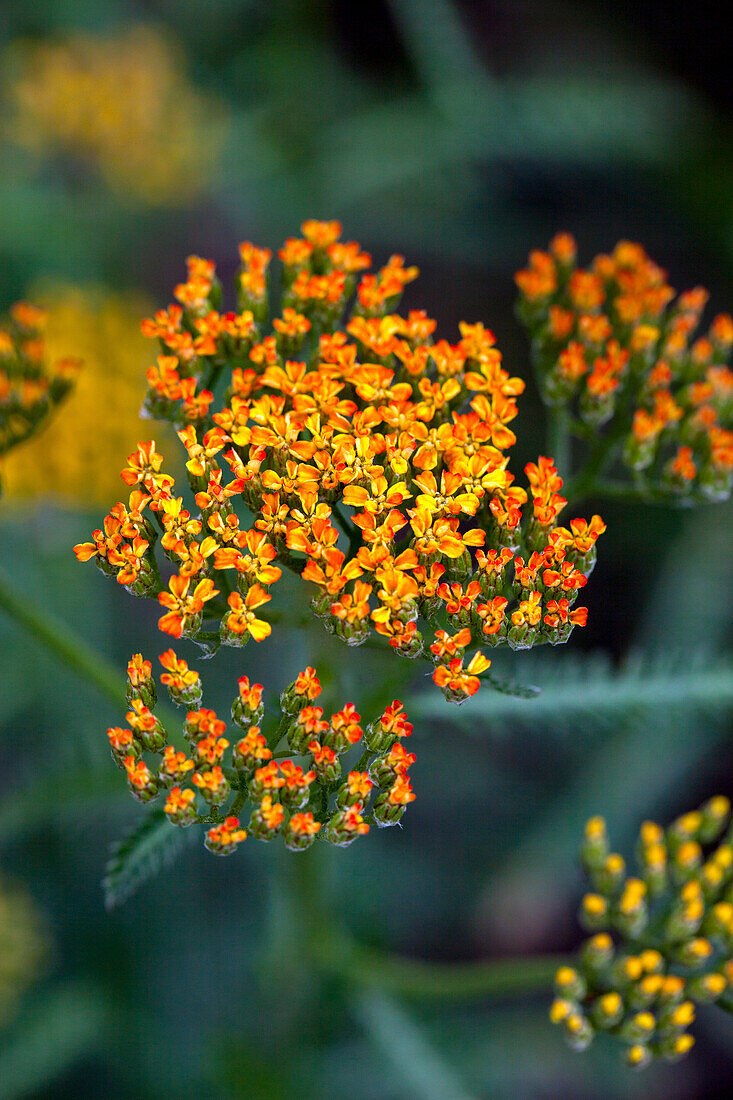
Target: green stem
<point>295,565</point>
<point>640,494</point>
<point>363,760</point>
<point>275,738</point>
<point>558,439</point>
<point>336,954</point>
<point>239,801</point>
<point>584,484</point>
<point>368,967</point>
<point>71,650</point>
<point>63,642</point>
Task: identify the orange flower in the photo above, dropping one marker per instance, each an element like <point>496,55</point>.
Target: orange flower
<point>401,792</point>
<point>307,684</point>
<point>447,645</point>
<point>320,234</point>
<point>175,765</point>
<point>179,802</point>
<point>304,825</point>
<point>394,720</point>
<point>251,749</point>
<point>250,695</point>
<point>492,614</point>
<point>177,675</point>
<point>183,608</point>
<point>459,682</point>
<point>139,671</point>
<point>529,611</point>
<point>558,612</point>
<point>242,618</point>
<point>682,465</point>
<point>456,599</point>
<point>345,727</point>
<point>138,773</point>
<point>223,839</point>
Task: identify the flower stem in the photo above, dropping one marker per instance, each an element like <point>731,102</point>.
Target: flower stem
<point>367,966</point>
<point>63,642</point>
<point>71,650</point>
<point>276,737</point>
<point>336,953</point>
<point>558,440</point>
<point>585,481</point>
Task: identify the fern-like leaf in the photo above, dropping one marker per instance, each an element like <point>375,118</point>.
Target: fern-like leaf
<point>591,688</point>
<point>508,687</point>
<point>149,846</point>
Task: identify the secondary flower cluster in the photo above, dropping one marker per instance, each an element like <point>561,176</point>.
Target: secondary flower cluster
<point>662,941</point>
<point>613,342</point>
<point>29,388</point>
<point>211,779</point>
<point>367,458</point>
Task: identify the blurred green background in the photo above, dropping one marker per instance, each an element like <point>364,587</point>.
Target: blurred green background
<point>460,134</point>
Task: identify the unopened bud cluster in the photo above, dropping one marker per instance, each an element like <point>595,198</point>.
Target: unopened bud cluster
<point>370,456</point>
<point>613,344</point>
<point>662,940</point>
<point>212,777</point>
<point>29,388</point>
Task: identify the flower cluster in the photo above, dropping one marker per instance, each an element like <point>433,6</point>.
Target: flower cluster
<point>614,343</point>
<point>211,778</point>
<point>29,388</point>
<point>662,941</point>
<point>359,453</point>
<point>120,104</point>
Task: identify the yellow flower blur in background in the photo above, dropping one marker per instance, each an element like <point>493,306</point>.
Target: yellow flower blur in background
<point>22,946</point>
<point>122,104</point>
<point>76,458</point>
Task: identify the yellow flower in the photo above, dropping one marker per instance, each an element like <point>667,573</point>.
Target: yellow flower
<point>121,104</point>
<point>21,946</point>
<point>75,458</point>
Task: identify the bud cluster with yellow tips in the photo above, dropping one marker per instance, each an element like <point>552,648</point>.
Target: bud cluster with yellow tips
<point>29,388</point>
<point>662,940</point>
<point>211,780</point>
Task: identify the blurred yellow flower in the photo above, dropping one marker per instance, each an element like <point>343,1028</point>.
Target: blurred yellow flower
<point>123,104</point>
<point>22,946</point>
<point>74,458</point>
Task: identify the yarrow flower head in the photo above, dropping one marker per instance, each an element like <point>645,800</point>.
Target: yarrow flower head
<point>661,940</point>
<point>209,779</point>
<point>614,344</point>
<point>29,388</point>
<point>347,445</point>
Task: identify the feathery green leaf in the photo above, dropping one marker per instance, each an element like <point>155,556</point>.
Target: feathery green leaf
<point>149,846</point>
<point>591,687</point>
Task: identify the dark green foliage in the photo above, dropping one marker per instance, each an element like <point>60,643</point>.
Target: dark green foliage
<point>150,845</point>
